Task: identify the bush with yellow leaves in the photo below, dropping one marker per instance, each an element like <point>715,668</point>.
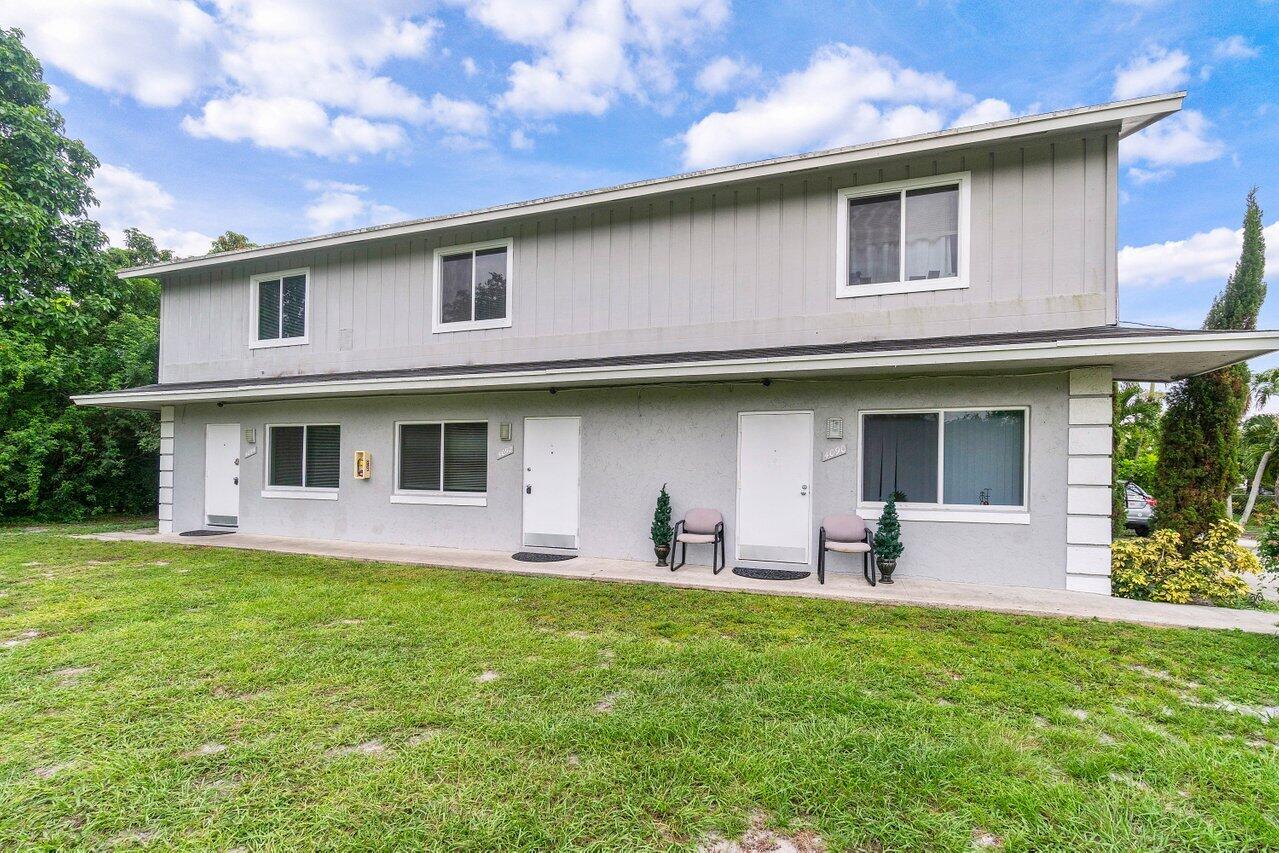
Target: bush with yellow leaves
<point>1154,569</point>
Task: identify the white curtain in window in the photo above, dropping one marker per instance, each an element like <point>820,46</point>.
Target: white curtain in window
<point>984,453</point>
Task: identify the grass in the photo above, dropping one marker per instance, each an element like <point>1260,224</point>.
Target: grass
<point>212,699</point>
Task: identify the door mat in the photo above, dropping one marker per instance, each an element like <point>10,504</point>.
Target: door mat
<point>531,557</point>
<point>770,574</point>
<point>205,532</point>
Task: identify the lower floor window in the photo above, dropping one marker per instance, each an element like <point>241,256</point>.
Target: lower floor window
<point>445,457</point>
<point>951,457</point>
<point>304,456</point>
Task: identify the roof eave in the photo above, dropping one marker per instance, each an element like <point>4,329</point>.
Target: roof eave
<point>1131,116</point>
<point>1150,358</point>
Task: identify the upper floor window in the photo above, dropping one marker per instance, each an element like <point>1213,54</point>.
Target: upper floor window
<point>279,308</point>
<point>473,286</point>
<point>903,237</point>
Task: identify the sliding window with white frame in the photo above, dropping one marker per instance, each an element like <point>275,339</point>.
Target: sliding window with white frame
<point>946,464</point>
<point>303,461</point>
<point>441,462</point>
<point>902,237</point>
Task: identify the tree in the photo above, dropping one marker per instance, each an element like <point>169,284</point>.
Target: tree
<point>661,532</point>
<point>1198,463</point>
<point>68,324</point>
<point>1264,386</point>
<point>888,533</point>
<point>229,242</point>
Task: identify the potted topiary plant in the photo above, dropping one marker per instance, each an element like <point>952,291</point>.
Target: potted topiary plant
<point>888,540</point>
<point>661,529</point>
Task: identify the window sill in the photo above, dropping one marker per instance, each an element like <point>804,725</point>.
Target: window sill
<point>441,500</point>
<point>279,342</point>
<point>473,326</point>
<point>302,494</point>
<point>848,291</point>
<point>967,515</point>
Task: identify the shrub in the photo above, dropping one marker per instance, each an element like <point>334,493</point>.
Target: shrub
<point>1155,569</point>
<point>1268,544</point>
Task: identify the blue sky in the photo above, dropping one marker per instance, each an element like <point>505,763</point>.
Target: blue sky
<point>281,118</point>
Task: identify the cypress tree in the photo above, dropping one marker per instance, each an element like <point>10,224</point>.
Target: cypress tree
<point>1198,464</point>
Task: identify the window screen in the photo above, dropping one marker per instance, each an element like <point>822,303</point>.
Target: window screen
<point>985,456</point>
<point>282,308</point>
<point>473,285</point>
<point>449,457</point>
<point>899,455</point>
<point>305,456</point>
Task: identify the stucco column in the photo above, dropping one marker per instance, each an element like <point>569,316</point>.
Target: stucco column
<point>165,500</point>
<point>1088,479</point>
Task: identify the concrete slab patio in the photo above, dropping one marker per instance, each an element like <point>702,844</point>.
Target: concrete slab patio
<point>844,586</point>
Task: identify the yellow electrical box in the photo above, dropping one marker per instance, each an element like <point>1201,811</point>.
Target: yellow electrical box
<point>363,464</point>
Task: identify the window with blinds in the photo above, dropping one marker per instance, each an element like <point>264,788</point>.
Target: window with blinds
<point>304,457</point>
<point>281,305</point>
<point>443,457</point>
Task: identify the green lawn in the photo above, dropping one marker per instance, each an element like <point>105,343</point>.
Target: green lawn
<point>204,698</point>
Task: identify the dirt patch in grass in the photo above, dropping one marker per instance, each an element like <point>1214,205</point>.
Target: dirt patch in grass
<point>21,639</point>
<point>1265,713</point>
<point>206,749</point>
<point>606,704</point>
<point>758,838</point>
<point>423,735</point>
<point>985,840</point>
<point>69,676</point>
<point>133,838</point>
<point>369,747</point>
<point>48,771</point>
<point>486,676</point>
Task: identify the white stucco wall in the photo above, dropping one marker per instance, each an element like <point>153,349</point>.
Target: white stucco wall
<point>633,441</point>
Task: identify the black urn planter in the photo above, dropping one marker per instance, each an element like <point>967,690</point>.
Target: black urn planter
<point>886,569</point>
<point>662,551</point>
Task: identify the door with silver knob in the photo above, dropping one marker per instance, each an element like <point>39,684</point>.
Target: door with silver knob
<point>552,468</point>
<point>774,472</point>
<point>222,475</point>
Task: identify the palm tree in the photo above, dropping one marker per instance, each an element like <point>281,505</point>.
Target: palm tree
<point>1265,385</point>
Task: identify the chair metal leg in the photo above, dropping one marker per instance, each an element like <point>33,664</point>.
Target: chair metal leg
<point>821,556</point>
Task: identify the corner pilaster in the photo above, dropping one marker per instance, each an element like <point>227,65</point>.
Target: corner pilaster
<point>1088,481</point>
<point>165,498</point>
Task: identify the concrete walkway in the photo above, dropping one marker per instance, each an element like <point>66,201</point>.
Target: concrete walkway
<point>844,586</point>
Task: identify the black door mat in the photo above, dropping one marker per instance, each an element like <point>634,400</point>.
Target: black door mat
<point>531,557</point>
<point>770,574</point>
<point>205,532</point>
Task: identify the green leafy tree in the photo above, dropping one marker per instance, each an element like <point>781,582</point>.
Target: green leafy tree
<point>1198,457</point>
<point>1259,436</point>
<point>229,242</point>
<point>68,324</point>
<point>661,531</point>
<point>888,533</point>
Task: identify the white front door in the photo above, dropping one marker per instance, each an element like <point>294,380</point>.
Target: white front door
<point>552,468</point>
<point>774,486</point>
<point>222,474</point>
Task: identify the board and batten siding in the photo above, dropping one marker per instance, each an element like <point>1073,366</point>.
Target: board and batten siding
<point>745,265</point>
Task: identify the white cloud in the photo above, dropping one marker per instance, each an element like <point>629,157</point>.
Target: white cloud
<point>1181,140</point>
<point>1205,256</point>
<point>846,95</point>
<point>339,206</point>
<point>984,112</point>
<point>1235,47</point>
<point>115,45</point>
<point>463,117</point>
<point>469,68</point>
<point>725,73</point>
<point>222,54</point>
<point>588,53</point>
<point>1156,69</point>
<point>128,200</point>
<point>57,95</point>
<point>292,124</point>
<point>520,140</point>
<point>1147,176</point>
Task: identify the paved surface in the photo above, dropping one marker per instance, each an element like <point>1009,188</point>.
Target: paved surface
<point>848,586</point>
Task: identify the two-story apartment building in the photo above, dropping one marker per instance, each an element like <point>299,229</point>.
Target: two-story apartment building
<point>934,317</point>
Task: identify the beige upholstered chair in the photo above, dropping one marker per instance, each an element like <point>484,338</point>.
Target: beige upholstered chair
<point>700,527</point>
<point>847,534</point>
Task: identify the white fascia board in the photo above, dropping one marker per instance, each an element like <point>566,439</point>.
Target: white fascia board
<point>1130,116</point>
<point>1043,354</point>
